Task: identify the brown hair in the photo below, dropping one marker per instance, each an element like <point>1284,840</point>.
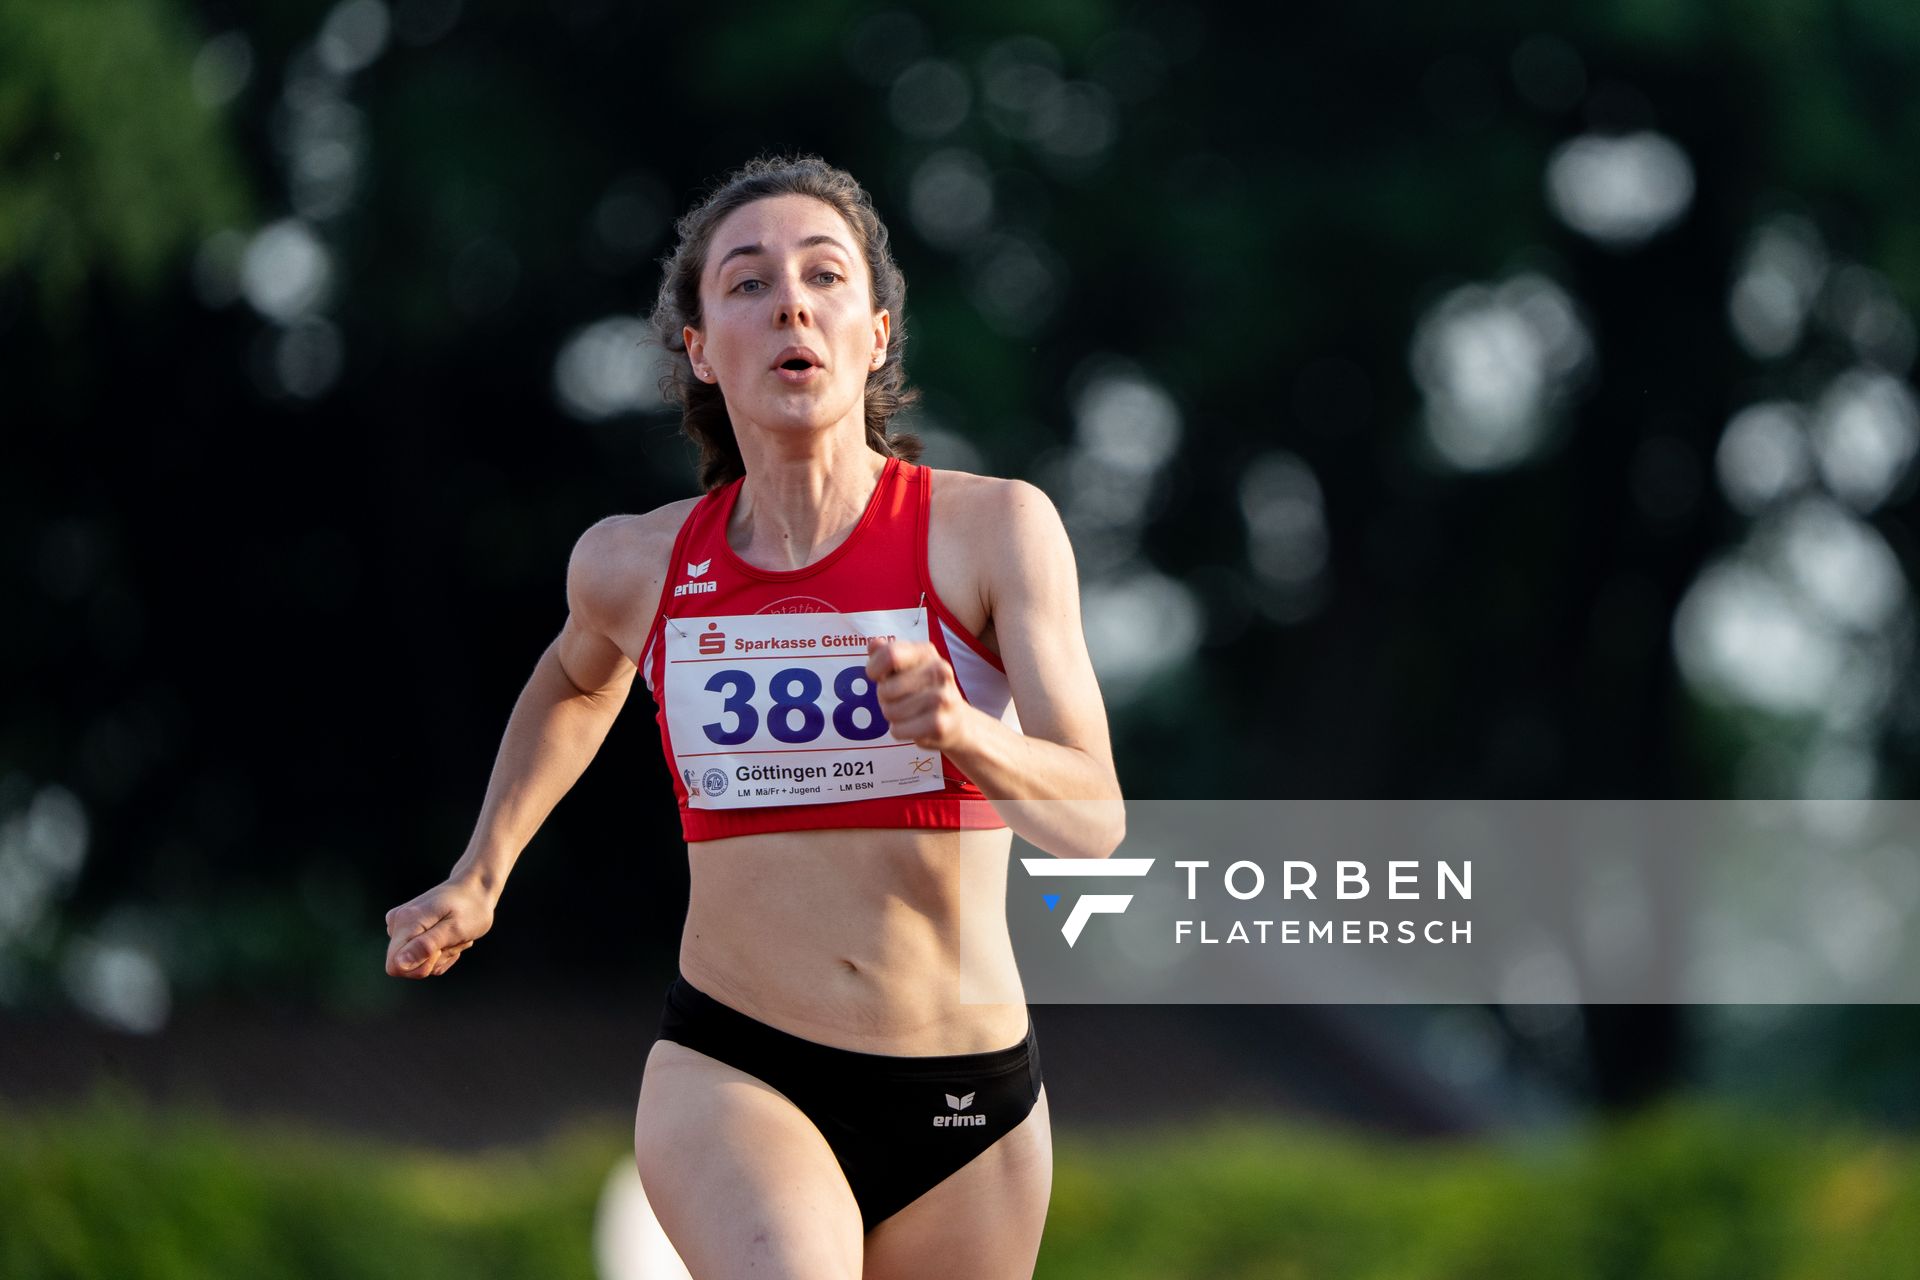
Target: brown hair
<point>703,414</point>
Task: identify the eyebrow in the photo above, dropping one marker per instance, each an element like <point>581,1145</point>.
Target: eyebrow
<point>748,250</point>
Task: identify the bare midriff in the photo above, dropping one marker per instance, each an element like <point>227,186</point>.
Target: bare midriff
<point>877,940</point>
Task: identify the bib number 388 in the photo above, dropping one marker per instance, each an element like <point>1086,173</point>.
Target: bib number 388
<point>768,709</point>
<point>796,716</point>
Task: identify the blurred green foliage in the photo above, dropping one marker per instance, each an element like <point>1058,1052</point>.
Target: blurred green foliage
<point>1686,1191</point>
<point>115,1191</point>
<point>112,165</point>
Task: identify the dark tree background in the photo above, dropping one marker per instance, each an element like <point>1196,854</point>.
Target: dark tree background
<point>1380,358</point>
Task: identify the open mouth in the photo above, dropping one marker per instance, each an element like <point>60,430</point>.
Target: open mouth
<point>796,362</point>
<point>797,365</point>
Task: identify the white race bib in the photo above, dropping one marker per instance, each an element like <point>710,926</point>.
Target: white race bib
<point>776,708</point>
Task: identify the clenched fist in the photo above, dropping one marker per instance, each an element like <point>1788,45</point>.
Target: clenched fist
<point>425,936</point>
<point>918,694</point>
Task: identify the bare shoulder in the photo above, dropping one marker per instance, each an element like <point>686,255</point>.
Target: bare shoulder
<point>996,544</point>
<point>618,566</point>
<point>1022,566</point>
<point>995,508</point>
<point>617,552</point>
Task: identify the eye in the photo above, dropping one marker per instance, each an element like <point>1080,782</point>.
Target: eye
<point>831,275</point>
<point>742,286</point>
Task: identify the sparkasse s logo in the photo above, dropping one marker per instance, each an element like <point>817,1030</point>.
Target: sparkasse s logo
<point>1091,904</point>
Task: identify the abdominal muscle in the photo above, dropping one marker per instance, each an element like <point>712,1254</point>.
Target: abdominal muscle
<point>856,938</point>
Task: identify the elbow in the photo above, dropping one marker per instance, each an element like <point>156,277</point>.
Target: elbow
<point>1110,832</point>
<point>1105,826</point>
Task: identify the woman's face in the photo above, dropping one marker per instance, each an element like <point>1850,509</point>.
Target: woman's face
<point>785,285</point>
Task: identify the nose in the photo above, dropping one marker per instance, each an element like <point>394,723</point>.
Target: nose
<point>790,304</point>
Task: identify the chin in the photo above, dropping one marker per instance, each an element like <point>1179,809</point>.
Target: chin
<point>801,417</point>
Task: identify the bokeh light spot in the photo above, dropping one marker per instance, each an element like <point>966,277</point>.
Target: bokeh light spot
<point>951,198</point>
<point>1620,191</point>
<point>353,35</point>
<point>1865,430</point>
<point>1495,365</point>
<point>930,98</point>
<point>1763,456</point>
<point>286,271</point>
<point>608,368</point>
<point>222,69</point>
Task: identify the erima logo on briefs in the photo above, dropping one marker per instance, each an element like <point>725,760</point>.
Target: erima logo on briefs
<point>1091,904</point>
<point>958,1104</point>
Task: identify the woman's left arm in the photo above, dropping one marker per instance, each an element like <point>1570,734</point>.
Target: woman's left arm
<point>1051,780</point>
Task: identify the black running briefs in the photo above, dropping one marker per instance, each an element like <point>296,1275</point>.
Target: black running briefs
<point>898,1125</point>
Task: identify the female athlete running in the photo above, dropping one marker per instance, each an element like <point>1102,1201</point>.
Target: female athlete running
<point>837,640</point>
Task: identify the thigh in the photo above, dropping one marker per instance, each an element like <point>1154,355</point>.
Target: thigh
<point>982,1222</point>
<point>741,1181</point>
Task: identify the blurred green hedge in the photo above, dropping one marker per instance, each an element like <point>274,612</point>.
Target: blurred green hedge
<point>1692,1190</point>
<point>112,1190</point>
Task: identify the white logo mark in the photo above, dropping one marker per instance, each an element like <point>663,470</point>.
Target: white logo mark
<point>960,1103</point>
<point>696,588</point>
<point>1092,904</point>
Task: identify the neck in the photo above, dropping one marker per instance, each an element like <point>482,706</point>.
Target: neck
<point>798,503</point>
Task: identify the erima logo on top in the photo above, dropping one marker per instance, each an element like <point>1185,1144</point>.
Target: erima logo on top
<point>960,1103</point>
<point>696,588</point>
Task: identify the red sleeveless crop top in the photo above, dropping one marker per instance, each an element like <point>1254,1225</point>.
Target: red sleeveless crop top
<point>882,565</point>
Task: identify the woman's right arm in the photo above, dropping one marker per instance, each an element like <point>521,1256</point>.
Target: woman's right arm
<point>558,723</point>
